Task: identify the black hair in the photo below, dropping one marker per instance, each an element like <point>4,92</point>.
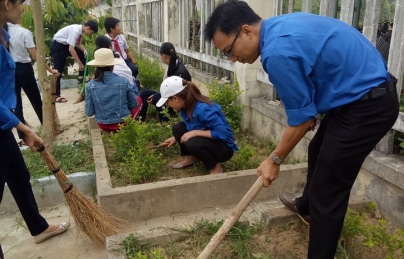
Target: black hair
<point>93,25</point>
<point>167,48</point>
<point>229,17</point>
<point>3,24</point>
<point>99,73</point>
<point>110,23</point>
<point>191,94</point>
<point>102,42</point>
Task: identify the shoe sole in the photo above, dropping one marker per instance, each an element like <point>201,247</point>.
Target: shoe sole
<point>300,216</point>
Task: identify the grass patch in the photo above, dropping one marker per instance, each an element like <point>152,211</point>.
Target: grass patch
<point>72,158</point>
<point>363,236</point>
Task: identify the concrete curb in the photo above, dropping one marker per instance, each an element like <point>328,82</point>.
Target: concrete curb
<point>48,192</point>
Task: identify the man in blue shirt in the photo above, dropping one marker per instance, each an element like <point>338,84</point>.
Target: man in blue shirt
<point>317,65</point>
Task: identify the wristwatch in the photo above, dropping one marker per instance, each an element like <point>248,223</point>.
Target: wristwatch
<point>276,159</point>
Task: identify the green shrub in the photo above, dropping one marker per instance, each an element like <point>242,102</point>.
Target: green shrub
<point>150,72</point>
<point>225,96</point>
<point>131,146</point>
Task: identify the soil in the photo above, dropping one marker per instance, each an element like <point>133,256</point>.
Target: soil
<point>71,116</point>
<point>282,242</point>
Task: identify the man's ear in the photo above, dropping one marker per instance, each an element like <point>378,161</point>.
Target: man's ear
<point>247,29</point>
<point>7,4</point>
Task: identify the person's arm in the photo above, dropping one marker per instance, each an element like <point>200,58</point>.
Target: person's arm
<point>30,137</point>
<point>32,52</point>
<point>209,116</point>
<point>269,170</point>
<point>76,58</point>
<point>131,95</point>
<point>89,109</point>
<point>130,56</point>
<point>81,47</point>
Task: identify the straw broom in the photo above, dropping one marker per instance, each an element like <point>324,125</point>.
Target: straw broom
<point>90,219</point>
<point>232,219</point>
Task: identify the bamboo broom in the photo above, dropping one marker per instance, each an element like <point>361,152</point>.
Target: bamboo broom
<point>232,219</point>
<point>90,219</point>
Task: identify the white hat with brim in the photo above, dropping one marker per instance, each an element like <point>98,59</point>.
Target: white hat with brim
<point>104,58</point>
<point>171,86</point>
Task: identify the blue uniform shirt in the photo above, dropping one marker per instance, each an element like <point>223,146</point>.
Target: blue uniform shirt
<point>7,90</point>
<point>210,117</point>
<point>317,63</point>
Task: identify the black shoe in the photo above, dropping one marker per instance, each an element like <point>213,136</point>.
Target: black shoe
<point>290,202</point>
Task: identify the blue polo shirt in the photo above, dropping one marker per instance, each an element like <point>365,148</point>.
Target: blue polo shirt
<point>7,91</point>
<point>317,63</point>
<point>210,117</point>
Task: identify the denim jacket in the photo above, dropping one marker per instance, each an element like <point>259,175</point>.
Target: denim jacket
<point>110,101</point>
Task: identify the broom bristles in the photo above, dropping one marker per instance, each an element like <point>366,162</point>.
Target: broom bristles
<point>90,219</point>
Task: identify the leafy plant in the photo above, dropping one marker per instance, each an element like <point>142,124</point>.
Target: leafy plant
<point>150,72</point>
<point>348,244</point>
<point>131,146</point>
<point>379,236</point>
<point>225,96</point>
<point>72,158</point>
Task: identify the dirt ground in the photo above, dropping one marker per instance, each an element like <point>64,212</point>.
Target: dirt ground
<point>71,116</point>
<point>15,239</point>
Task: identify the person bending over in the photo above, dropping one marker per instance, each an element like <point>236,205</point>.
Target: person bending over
<point>204,134</point>
<point>109,97</point>
<point>175,68</point>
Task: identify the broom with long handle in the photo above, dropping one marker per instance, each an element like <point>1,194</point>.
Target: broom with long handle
<point>231,219</point>
<point>83,85</point>
<point>90,219</point>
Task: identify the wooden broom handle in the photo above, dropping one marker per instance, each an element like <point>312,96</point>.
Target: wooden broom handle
<point>232,219</point>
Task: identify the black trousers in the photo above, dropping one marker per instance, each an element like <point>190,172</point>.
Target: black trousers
<point>209,151</point>
<point>344,139</point>
<point>145,94</point>
<point>25,79</point>
<point>14,172</point>
<point>133,67</point>
<point>59,53</point>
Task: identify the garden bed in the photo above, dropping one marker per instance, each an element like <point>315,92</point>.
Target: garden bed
<point>366,234</point>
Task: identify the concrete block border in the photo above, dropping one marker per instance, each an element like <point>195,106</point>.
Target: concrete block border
<point>48,192</point>
<point>151,200</point>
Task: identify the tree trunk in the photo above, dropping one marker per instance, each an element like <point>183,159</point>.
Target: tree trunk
<point>47,129</point>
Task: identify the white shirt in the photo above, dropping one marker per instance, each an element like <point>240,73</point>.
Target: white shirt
<point>122,44</point>
<point>69,35</point>
<point>124,71</point>
<point>21,39</point>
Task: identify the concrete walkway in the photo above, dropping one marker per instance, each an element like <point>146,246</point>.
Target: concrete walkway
<point>17,242</point>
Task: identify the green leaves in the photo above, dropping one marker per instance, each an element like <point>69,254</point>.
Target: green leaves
<point>226,95</point>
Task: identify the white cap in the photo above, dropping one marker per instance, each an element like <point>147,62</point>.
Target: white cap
<point>171,86</point>
<point>104,58</point>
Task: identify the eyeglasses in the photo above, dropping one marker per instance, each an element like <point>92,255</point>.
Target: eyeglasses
<point>228,53</point>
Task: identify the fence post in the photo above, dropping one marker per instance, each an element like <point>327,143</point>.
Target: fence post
<point>395,65</point>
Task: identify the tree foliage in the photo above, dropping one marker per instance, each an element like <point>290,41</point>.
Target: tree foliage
<point>57,14</point>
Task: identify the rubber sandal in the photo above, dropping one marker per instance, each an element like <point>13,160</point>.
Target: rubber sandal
<point>22,144</point>
<point>60,99</point>
<point>181,166</point>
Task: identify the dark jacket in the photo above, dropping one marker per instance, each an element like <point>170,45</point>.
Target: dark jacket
<point>180,70</point>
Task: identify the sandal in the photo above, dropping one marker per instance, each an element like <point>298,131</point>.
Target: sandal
<point>59,131</point>
<point>22,143</point>
<point>60,99</point>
